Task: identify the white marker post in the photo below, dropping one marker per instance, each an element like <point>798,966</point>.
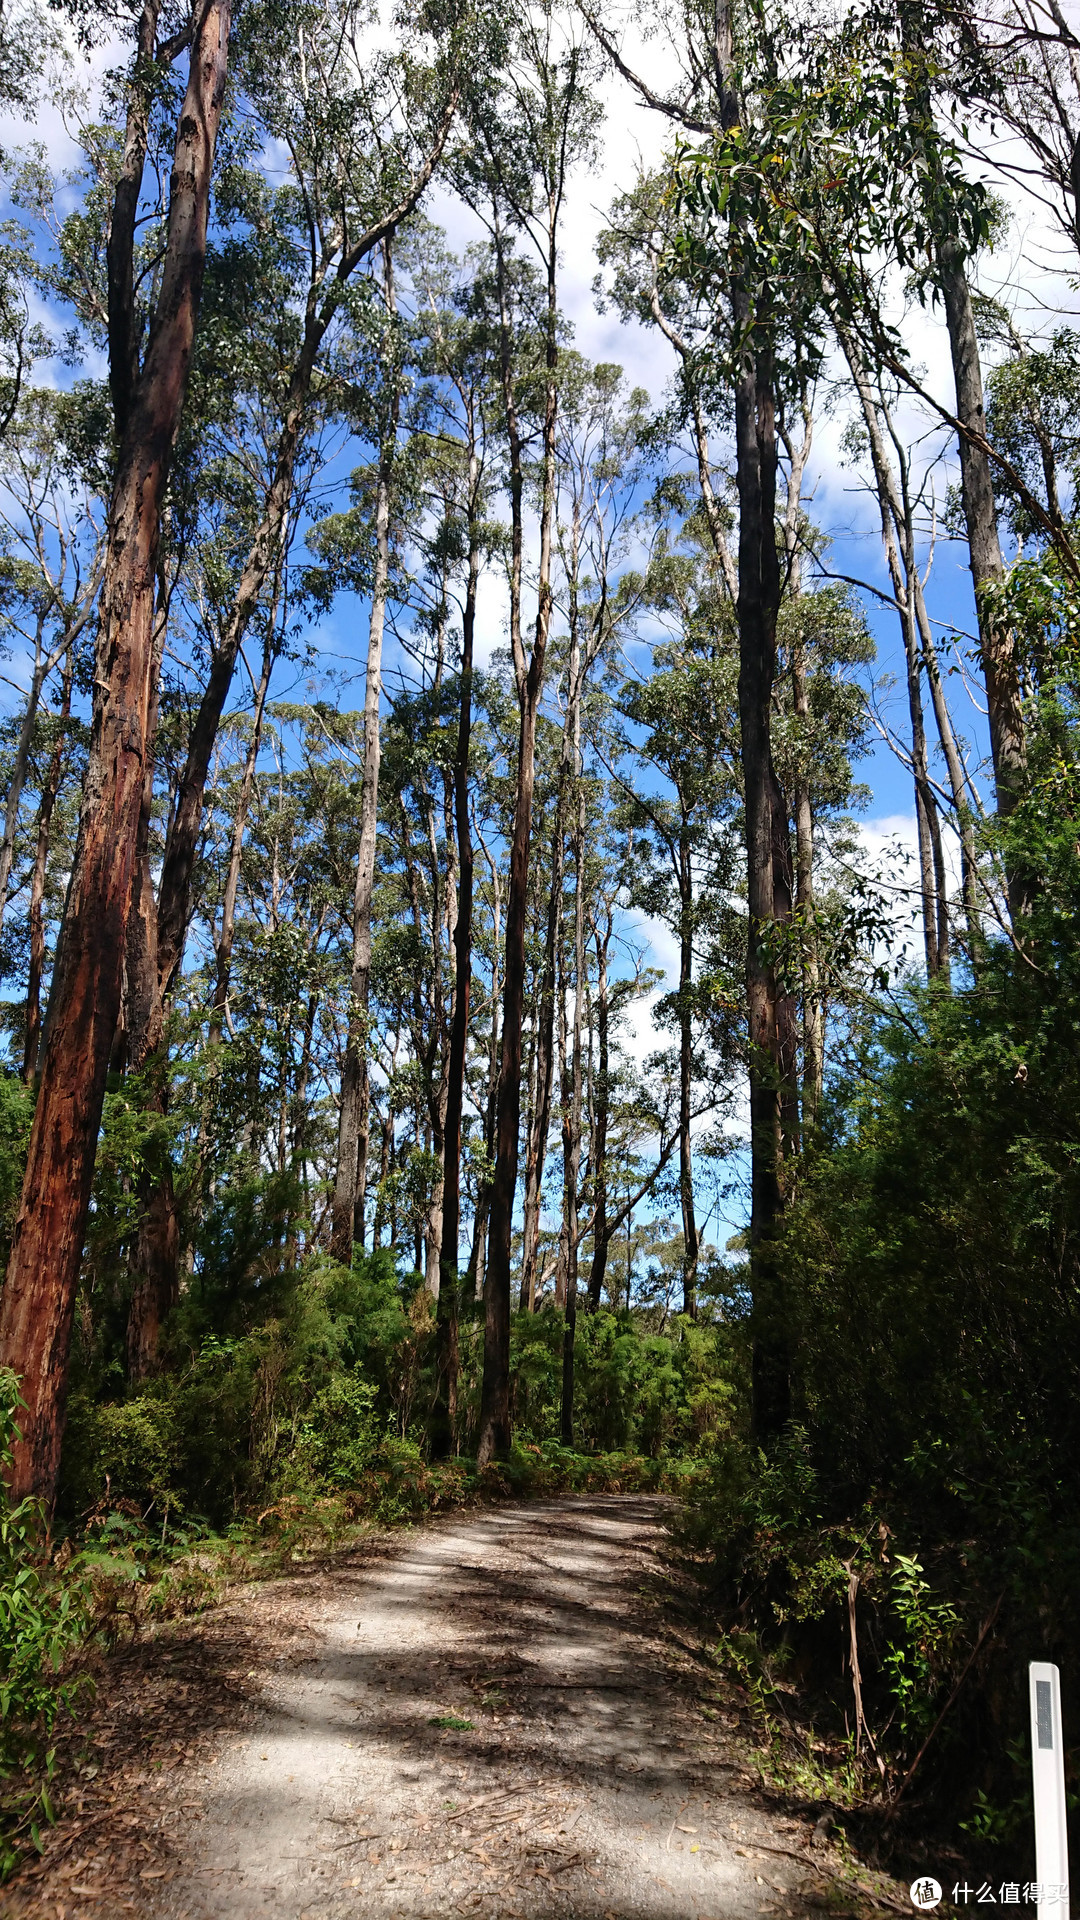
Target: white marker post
<point>1048,1779</point>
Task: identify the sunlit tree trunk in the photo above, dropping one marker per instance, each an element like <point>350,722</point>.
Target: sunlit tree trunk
<point>536,1148</point>
<point>813,1013</point>
<point>572,1108</point>
<point>350,1176</point>
<point>601,1110</point>
<point>476,1272</point>
<point>1003,710</point>
<point>691,1237</point>
<point>898,539</point>
<point>223,956</point>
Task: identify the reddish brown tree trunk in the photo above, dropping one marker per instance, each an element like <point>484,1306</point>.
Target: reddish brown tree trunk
<point>38,1302</point>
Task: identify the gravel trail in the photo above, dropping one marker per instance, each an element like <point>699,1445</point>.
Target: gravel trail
<point>492,1721</point>
<point>502,1714</point>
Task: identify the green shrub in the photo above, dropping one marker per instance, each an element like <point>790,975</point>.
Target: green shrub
<point>41,1622</point>
<point>338,1437</point>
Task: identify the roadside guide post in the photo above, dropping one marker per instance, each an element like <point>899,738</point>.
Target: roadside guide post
<point>1048,1780</point>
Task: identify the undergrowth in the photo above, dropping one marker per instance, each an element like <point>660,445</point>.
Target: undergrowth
<point>123,1572</point>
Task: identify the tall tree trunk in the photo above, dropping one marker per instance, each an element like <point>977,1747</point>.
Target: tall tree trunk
<point>768,1017</point>
<point>223,970</point>
<point>50,790</point>
<point>806,908</point>
<point>957,781</point>
<point>925,809</point>
<point>444,1415</point>
<point>38,1301</point>
<point>898,539</point>
<point>691,1239</point>
<point>931,861</point>
<point>350,1176</point>
<point>432,1039</point>
<point>572,1114</point>
<point>562,1251</point>
<point>494,1435</point>
<point>154,1260</point>
<point>536,1151</point>
<point>476,1273</point>
<point>770,1022</point>
<point>1003,709</point>
<point>602,1108</point>
<point>813,1007</point>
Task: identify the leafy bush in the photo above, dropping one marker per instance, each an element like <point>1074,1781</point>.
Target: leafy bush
<point>931,1264</point>
<point>338,1438</point>
<point>41,1622</point>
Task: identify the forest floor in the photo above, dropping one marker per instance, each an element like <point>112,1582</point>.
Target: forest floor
<point>506,1714</point>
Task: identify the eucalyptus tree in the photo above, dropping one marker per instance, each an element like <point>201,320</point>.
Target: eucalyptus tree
<point>682,724</point>
<point>364,132</point>
<point>350,1180</point>
<point>38,1301</point>
<point>871,167</point>
<point>898,504</point>
<point>639,249</point>
<point>461,542</point>
<point>523,144</point>
<point>50,573</point>
<point>605,446</point>
<point>918,36</point>
<point>741,266</point>
<point>291,338</point>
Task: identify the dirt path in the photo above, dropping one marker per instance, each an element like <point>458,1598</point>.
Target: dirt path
<point>492,1718</point>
